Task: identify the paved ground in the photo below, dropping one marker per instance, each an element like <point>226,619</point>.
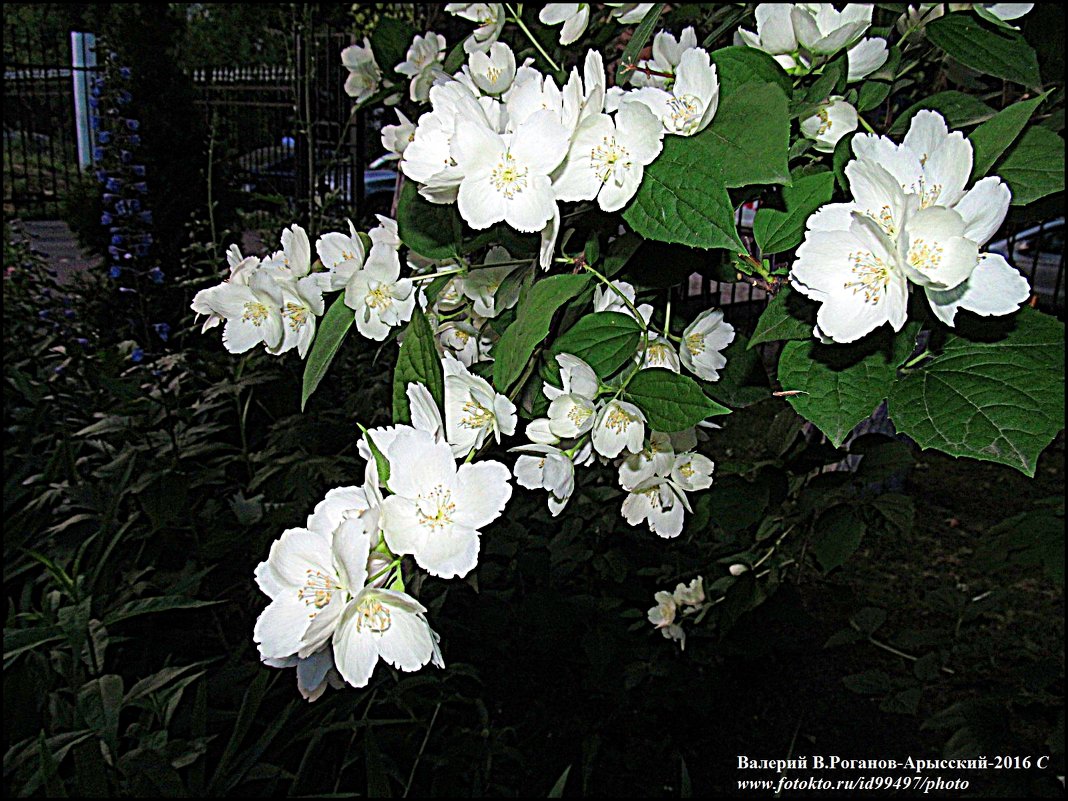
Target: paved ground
<point>55,240</point>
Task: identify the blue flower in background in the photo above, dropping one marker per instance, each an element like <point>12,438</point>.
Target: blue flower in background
<point>43,314</point>
<point>114,184</point>
<point>133,125</point>
<point>94,101</point>
<point>68,313</point>
<point>138,169</point>
<point>94,122</point>
<point>82,341</point>
<point>103,137</point>
<point>134,140</point>
<point>115,271</point>
<point>124,72</point>
<point>137,356</point>
<point>163,330</point>
<point>123,98</point>
<point>125,156</point>
<point>117,239</point>
<point>102,176</point>
<point>156,274</point>
<point>114,252</point>
<point>106,219</point>
<point>141,187</point>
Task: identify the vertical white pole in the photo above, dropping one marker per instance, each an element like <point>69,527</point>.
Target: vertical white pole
<point>83,52</point>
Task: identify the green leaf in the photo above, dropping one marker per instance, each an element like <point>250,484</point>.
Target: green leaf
<point>991,139</point>
<point>152,606</point>
<point>828,82</point>
<point>604,340</point>
<point>671,402</point>
<point>775,230</point>
<point>840,385</point>
<point>959,109</point>
<point>843,153</point>
<point>738,65</point>
<point>557,790</point>
<point>533,316</point>
<point>629,60</point>
<point>743,381</point>
<point>837,535</point>
<point>328,338</point>
<point>418,362</point>
<point>749,137</point>
<point>1034,538</point>
<point>790,315</point>
<point>1003,54</point>
<point>1034,168</point>
<point>390,41</point>
<point>872,94</point>
<point>996,401</point>
<point>432,230</point>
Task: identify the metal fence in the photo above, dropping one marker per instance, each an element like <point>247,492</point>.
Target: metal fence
<point>40,138</point>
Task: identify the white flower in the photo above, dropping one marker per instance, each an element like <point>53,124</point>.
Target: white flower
<point>663,614</point>
<point>493,71</point>
<point>378,295</point>
<point>994,288</point>
<point>571,416</point>
<point>1000,12</point>
<point>342,255</point>
<point>385,233</point>
<point>630,13</point>
<point>481,285</point>
<point>854,274</point>
<point>473,410</point>
<point>667,53</point>
<point>574,16</point>
<point>302,302</point>
<point>823,30</point>
<point>694,97</point>
<point>659,352</point>
<point>774,34</point>
<point>424,54</point>
<point>507,177</point>
<point>253,313</point>
<point>490,19</point>
<point>691,472</point>
<point>437,511</point>
<point>461,341</point>
<point>865,57</point>
<point>655,459</point>
<point>577,377</point>
<point>619,425</point>
<point>612,299</point>
<point>833,120</point>
<point>551,469</point>
<point>654,502</point>
<point>692,595</point>
<point>703,343</point>
<point>396,138</point>
<point>364,73</point>
<point>296,251</point>
<point>608,157</point>
<point>314,673</point>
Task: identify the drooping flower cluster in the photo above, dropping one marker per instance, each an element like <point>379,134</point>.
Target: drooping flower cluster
<point>910,221</point>
<point>686,600</point>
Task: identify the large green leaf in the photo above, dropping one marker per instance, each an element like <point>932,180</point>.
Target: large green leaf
<point>604,340</point>
<point>836,537</point>
<point>671,402</point>
<point>738,65</point>
<point>430,229</point>
<point>991,139</point>
<point>840,385</point>
<point>959,109</point>
<point>997,401</point>
<point>683,197</point>
<point>641,35</point>
<point>775,230</point>
<point>743,381</point>
<point>1003,54</point>
<point>533,316</point>
<point>418,362</point>
<point>390,41</point>
<point>331,333</point>
<point>1034,167</point>
<point>790,315</point>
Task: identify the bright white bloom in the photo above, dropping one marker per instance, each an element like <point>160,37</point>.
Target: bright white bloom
<point>549,468</point>
<point>630,13</point>
<point>253,312</point>
<point>690,595</point>
<point>833,120</point>
<point>507,177</point>
<point>342,255</point>
<point>296,251</point>
<point>482,285</point>
<point>655,459</point>
<point>663,614</point>
<point>489,17</point>
<point>493,71</point>
<point>619,425</point>
<point>774,34</point>
<point>241,270</point>
<point>667,53</point>
<point>577,377</point>
<point>654,502</point>
<point>823,30</point>
<point>1000,12</point>
<point>364,73</point>
<point>396,138</point>
<point>691,472</point>
<point>571,416</point>
<point>659,352</point>
<point>385,233</point>
<point>612,299</point>
<point>437,511</point>
<point>461,341</point>
<point>424,55</point>
<point>703,343</point>
<point>574,16</point>
<point>378,295</point>
<point>865,57</point>
<point>608,157</point>
<point>994,288</point>
<point>473,410</point>
<point>302,302</point>
<point>694,97</point>
<point>538,432</point>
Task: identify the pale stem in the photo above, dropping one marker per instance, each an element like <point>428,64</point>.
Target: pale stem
<point>537,45</point>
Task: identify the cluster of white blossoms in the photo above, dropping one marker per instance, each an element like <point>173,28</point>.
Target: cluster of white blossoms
<point>506,143</point>
<point>574,17</point>
<point>587,419</point>
<point>688,599</point>
<point>337,586</point>
<point>911,221</point>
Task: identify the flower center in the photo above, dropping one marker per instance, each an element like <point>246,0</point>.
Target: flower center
<point>435,508</point>
<point>658,353</point>
<point>924,256</point>
<point>370,613</point>
<point>695,343</point>
<point>579,414</point>
<point>685,113</point>
<point>609,159</point>
<point>298,315</point>
<point>509,178</point>
<point>618,420</point>
<point>885,220</point>
<point>379,297</point>
<point>318,589</point>
<point>825,122</point>
<point>475,415</point>
<point>872,273</point>
<point>687,470</point>
<point>254,313</point>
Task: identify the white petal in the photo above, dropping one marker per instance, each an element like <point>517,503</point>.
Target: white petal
<point>994,288</point>
<point>482,491</point>
<point>355,652</point>
<point>407,644</point>
<point>983,208</point>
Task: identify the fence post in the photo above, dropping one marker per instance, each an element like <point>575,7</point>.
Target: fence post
<point>83,59</point>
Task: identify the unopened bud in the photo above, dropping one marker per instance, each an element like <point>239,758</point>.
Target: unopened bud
<point>737,570</point>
